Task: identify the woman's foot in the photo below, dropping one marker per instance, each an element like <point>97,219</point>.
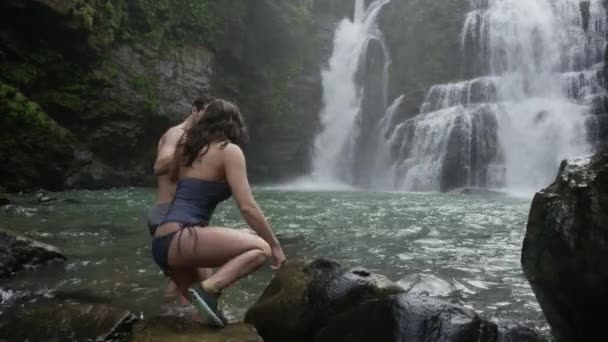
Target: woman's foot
<point>207,303</point>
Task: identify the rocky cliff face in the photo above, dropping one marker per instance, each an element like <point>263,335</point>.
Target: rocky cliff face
<point>424,42</point>
<point>565,252</point>
<point>115,74</point>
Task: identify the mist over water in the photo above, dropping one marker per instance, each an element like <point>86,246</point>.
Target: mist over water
<point>532,75</point>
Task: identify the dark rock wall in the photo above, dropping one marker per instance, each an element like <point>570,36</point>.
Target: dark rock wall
<point>423,38</point>
<point>115,74</point>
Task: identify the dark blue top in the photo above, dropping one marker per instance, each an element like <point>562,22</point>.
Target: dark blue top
<point>195,200</point>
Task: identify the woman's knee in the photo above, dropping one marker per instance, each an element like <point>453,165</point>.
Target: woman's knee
<point>260,257</point>
<point>264,247</point>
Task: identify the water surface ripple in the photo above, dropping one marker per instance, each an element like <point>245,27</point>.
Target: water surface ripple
<point>462,248</point>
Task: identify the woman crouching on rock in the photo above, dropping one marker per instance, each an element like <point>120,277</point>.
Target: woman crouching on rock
<point>209,167</point>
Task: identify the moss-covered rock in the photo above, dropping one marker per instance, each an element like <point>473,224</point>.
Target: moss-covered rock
<point>118,73</point>
<point>34,150</point>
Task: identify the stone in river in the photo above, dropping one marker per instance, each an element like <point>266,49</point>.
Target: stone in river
<point>18,252</point>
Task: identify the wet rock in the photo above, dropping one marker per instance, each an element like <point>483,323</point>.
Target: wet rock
<point>598,105</point>
<point>167,328</point>
<point>565,251</point>
<point>304,296</point>
<point>597,130</point>
<point>473,151</point>
<point>43,198</point>
<point>585,8</point>
<point>338,8</point>
<point>18,252</point>
<point>437,57</point>
<point>411,318</point>
<point>426,285</point>
<point>98,175</point>
<point>4,201</point>
<point>325,301</point>
<point>53,321</point>
<point>36,151</point>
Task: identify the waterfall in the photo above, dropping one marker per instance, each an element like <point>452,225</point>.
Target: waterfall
<point>531,94</point>
<point>343,94</point>
<point>538,79</point>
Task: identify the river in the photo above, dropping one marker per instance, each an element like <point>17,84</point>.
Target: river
<point>462,248</point>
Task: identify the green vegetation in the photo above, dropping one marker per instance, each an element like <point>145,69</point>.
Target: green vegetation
<point>16,109</point>
<point>185,21</point>
<point>34,149</point>
<point>103,20</point>
<point>100,73</point>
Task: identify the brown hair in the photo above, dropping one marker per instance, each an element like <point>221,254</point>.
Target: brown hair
<point>201,102</point>
<point>221,122</point>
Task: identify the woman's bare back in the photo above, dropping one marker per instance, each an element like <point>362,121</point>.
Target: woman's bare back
<point>210,165</point>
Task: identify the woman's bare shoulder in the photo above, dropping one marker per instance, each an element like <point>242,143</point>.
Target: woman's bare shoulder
<point>233,153</point>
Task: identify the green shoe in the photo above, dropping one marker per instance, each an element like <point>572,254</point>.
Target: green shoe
<point>207,303</point>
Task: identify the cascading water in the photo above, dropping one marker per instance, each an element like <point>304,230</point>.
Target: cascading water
<point>512,127</point>
<point>545,63</point>
<point>342,94</point>
<point>532,99</point>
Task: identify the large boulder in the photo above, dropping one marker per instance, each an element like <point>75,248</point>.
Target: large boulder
<point>565,251</point>
<point>94,174</point>
<point>53,321</point>
<point>18,252</point>
<point>325,301</point>
<point>168,328</point>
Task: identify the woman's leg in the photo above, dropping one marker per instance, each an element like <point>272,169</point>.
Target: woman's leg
<point>204,273</point>
<point>172,292</point>
<point>183,280</point>
<point>235,253</point>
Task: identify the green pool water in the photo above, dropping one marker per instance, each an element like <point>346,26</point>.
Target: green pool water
<point>462,248</point>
